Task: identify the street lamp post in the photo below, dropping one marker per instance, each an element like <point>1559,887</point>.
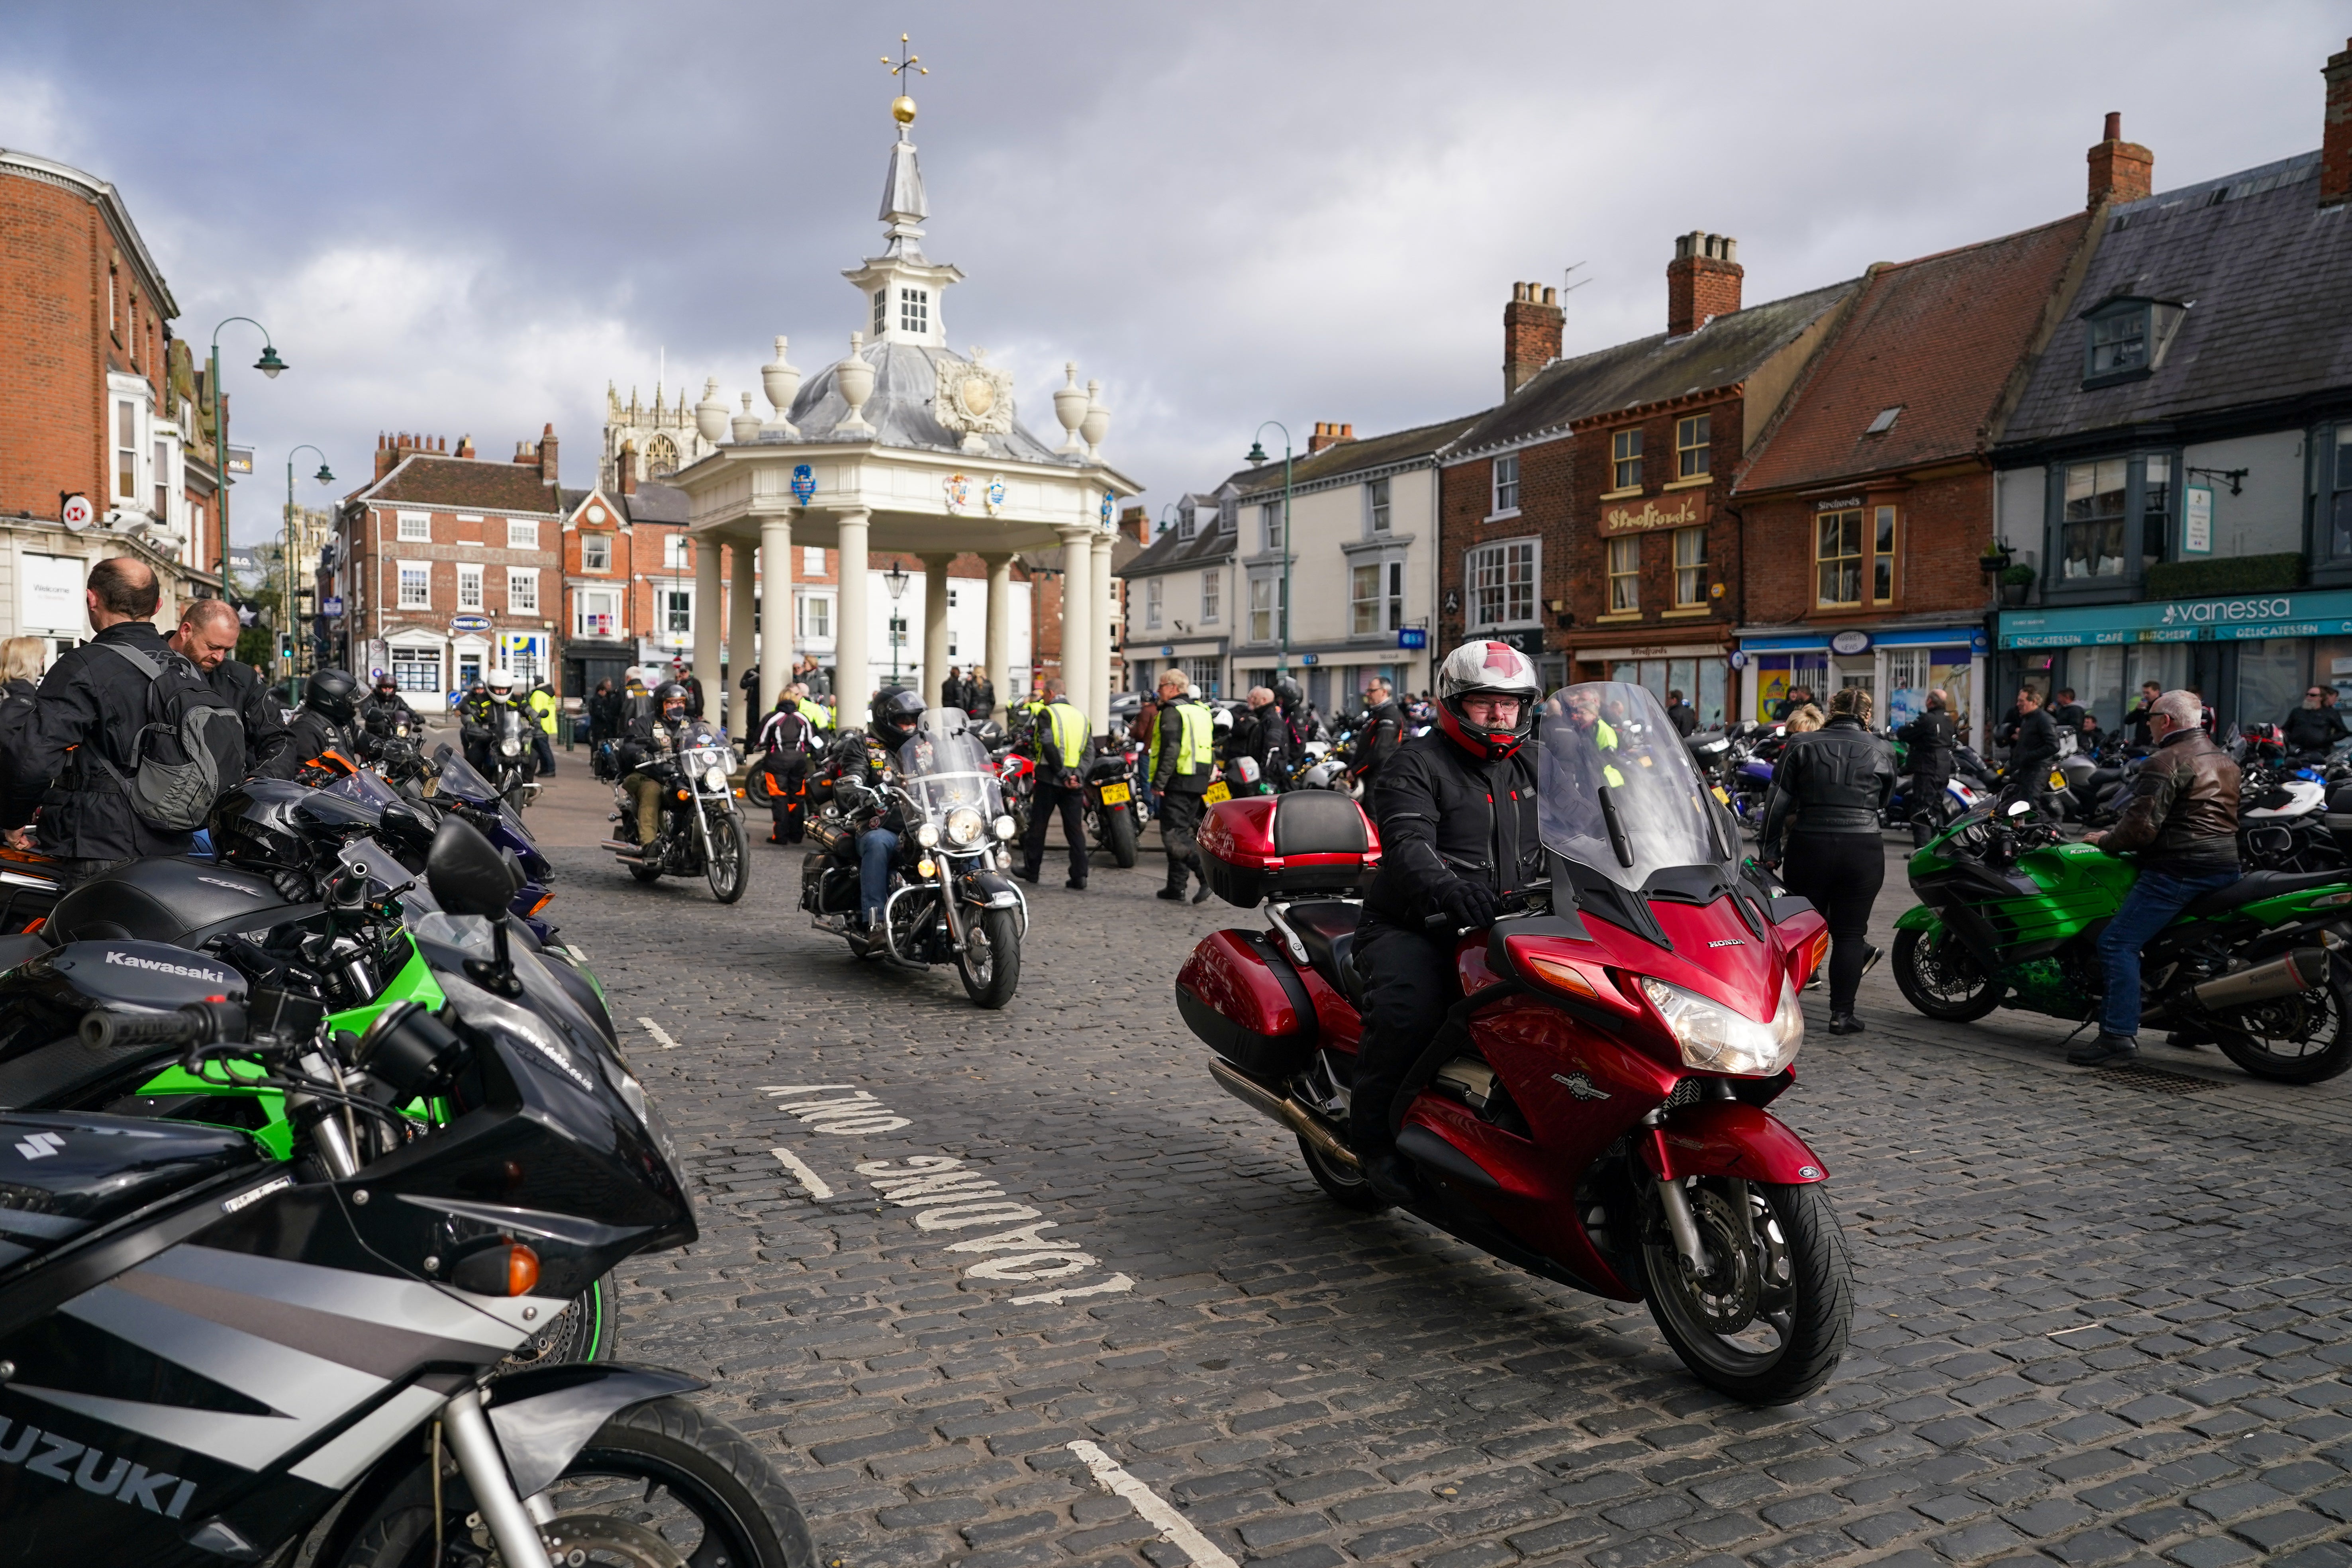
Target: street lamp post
<point>286,551</point>
<point>894,580</point>
<point>1282,611</point>
<point>268,364</point>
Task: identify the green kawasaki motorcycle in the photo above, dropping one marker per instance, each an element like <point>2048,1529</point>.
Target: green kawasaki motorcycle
<point>2010,916</point>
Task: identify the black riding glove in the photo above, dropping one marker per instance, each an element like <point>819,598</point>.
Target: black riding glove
<point>1472,904</point>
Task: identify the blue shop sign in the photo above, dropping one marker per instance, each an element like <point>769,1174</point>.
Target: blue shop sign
<point>2247,617</point>
<point>1412,636</point>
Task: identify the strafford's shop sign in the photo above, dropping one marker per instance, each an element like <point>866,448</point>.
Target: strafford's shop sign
<point>1685,510</point>
<point>2254,616</point>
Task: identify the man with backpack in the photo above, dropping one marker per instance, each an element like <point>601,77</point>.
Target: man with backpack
<point>125,744</point>
<point>208,634</point>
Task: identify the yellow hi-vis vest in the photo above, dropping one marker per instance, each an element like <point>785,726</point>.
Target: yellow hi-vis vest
<point>1070,732</point>
<point>1607,737</point>
<point>543,706</point>
<point>1193,752</point>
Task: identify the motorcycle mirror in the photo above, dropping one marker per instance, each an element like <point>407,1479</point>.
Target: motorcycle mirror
<point>468,874</point>
<point>407,827</point>
<point>2018,808</point>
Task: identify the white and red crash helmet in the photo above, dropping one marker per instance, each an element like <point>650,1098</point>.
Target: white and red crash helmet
<point>1484,669</point>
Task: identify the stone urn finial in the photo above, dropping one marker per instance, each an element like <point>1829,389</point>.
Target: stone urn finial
<point>1070,407</point>
<point>711,414</point>
<point>781,379</point>
<point>855,379</point>
<point>746,423</point>
<point>1096,421</point>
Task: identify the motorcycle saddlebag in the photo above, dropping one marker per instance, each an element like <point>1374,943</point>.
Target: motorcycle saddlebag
<point>1239,993</point>
<point>75,1172</point>
<point>1286,847</point>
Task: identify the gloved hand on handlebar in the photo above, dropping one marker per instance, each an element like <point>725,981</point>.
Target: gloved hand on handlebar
<point>1471,903</point>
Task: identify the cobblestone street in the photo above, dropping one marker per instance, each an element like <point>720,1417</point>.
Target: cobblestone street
<point>2099,1320</point>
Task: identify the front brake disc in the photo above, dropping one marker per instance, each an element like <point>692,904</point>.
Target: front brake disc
<point>1725,1297</point>
<point>604,1541</point>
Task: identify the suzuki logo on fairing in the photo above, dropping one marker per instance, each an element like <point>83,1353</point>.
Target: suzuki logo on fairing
<point>40,1145</point>
<point>122,1480</point>
<point>1581,1086</point>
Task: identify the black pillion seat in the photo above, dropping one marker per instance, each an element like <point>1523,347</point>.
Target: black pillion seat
<point>1326,928</point>
<point>169,898</point>
<point>2257,886</point>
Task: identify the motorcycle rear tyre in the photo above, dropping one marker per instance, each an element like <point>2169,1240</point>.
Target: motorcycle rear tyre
<point>994,986</point>
<point>699,1461</point>
<point>2317,1066</point>
<point>646,873</point>
<point>1349,1192</point>
<point>1118,836</point>
<point>1910,951</point>
<point>729,871</point>
<point>1822,1276</point>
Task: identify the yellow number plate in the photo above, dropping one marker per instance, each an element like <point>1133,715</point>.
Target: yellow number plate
<point>1215,793</point>
<point>1722,795</point>
<point>1115,795</point>
<point>2057,779</point>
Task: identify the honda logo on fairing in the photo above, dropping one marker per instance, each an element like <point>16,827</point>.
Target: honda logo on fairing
<point>40,1145</point>
<point>1727,942</point>
<point>125,1482</point>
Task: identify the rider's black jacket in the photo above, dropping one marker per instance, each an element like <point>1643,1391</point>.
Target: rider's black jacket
<point>1930,737</point>
<point>2314,728</point>
<point>1445,817</point>
<point>377,712</point>
<point>1377,740</point>
<point>308,733</point>
<point>1836,780</point>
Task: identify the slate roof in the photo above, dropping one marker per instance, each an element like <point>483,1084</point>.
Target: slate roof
<point>465,484</point>
<point>2266,273</point>
<point>1337,462</point>
<point>1726,351</point>
<point>1172,553</point>
<point>1943,339</point>
<point>652,503</point>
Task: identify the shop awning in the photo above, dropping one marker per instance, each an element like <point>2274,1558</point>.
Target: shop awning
<point>2253,616</point>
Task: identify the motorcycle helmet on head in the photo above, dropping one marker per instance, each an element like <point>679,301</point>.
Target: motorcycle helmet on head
<point>673,699</point>
<point>332,694</point>
<point>1288,694</point>
<point>1484,669</point>
<point>387,685</point>
<point>896,713</point>
<point>501,683</point>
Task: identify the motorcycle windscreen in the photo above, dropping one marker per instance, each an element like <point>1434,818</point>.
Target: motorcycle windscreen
<point>460,778</point>
<point>365,787</point>
<point>1617,789</point>
<point>951,774</point>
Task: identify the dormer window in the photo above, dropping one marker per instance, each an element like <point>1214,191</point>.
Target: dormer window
<point>915,310</point>
<point>1187,521</point>
<point>2126,339</point>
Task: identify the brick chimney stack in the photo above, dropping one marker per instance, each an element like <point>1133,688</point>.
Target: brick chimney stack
<point>465,446</point>
<point>2336,140</point>
<point>1328,435</point>
<point>1531,330</point>
<point>628,467</point>
<point>391,449</point>
<point>1702,280</point>
<point>548,473</point>
<point>2121,171</point>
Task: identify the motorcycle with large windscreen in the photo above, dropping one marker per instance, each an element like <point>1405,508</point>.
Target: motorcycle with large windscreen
<point>702,827</point>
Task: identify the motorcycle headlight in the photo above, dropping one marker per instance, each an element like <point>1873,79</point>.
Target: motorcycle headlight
<point>928,836</point>
<point>510,748</point>
<point>965,827</point>
<point>716,779</point>
<point>1005,827</point>
<point>1722,1039</point>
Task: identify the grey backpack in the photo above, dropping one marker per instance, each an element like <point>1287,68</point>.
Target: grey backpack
<point>191,748</point>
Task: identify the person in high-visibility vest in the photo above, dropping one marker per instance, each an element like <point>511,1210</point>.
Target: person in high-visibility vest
<point>1184,766</point>
<point>1061,735</point>
<point>542,711</point>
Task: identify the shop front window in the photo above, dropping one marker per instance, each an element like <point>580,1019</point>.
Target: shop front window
<point>2336,492</point>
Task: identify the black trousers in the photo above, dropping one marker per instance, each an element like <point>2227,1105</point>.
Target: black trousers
<point>1927,804</point>
<point>1048,799</point>
<point>1180,827</point>
<point>1839,874</point>
<point>1408,986</point>
<point>787,802</point>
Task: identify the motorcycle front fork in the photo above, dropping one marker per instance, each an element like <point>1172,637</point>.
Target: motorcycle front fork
<point>508,1516</point>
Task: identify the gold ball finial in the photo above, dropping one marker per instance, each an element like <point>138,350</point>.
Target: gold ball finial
<point>902,109</point>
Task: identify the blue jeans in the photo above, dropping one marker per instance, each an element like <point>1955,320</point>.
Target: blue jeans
<point>2148,909</point>
<point>874,847</point>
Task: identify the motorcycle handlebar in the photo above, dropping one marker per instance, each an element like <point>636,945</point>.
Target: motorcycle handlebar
<point>196,1024</point>
<point>1513,904</point>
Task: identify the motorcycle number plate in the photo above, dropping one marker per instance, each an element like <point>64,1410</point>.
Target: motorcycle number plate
<point>1722,795</point>
<point>1115,795</point>
<point>1215,793</point>
<point>2057,779</point>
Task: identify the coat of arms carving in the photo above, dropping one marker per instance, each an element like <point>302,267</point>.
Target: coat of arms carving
<point>975,399</point>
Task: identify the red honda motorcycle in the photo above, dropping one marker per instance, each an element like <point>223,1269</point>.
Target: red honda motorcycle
<point>1593,1109</point>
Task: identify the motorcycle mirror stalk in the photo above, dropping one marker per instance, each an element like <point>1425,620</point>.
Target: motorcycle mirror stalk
<point>469,875</point>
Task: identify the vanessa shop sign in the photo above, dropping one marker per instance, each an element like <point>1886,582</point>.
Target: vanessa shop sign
<point>2254,616</point>
<point>1684,510</point>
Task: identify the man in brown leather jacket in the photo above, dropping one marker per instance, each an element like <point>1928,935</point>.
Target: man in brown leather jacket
<point>2183,821</point>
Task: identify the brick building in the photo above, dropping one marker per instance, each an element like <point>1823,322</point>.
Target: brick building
<point>1863,511</point>
<point>1583,520</point>
<point>102,448</point>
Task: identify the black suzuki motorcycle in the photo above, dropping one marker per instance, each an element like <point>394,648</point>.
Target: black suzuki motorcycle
<point>215,1356</point>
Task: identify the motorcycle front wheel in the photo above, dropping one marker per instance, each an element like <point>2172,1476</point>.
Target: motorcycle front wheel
<point>1938,976</point>
<point>729,871</point>
<point>659,1484</point>
<point>587,1329</point>
<point>1768,1321</point>
<point>989,960</point>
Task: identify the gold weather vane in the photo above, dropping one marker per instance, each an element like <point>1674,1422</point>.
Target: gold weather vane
<point>902,108</point>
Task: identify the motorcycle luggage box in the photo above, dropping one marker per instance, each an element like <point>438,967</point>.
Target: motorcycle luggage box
<point>1288,847</point>
<point>1238,992</point>
<point>168,898</point>
<point>71,1175</point>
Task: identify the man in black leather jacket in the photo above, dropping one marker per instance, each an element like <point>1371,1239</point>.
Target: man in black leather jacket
<point>864,757</point>
<point>1456,811</point>
<point>207,636</point>
<point>1930,739</point>
<point>1382,733</point>
<point>324,723</point>
<point>2031,753</point>
<point>1261,735</point>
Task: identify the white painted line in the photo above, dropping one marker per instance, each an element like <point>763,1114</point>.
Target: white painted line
<point>798,1167</point>
<point>658,1033</point>
<point>1110,1286</point>
<point>1149,1503</point>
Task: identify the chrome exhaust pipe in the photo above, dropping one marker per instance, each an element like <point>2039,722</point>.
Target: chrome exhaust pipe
<point>2301,970</point>
<point>623,849</point>
<point>1280,1108</point>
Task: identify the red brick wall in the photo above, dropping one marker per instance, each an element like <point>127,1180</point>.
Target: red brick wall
<point>1942,526</point>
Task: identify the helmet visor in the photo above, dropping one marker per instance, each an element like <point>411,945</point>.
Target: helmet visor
<point>1617,790</point>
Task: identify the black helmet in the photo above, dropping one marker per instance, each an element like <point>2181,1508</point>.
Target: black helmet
<point>671,693</point>
<point>272,825</point>
<point>1287,693</point>
<point>384,682</point>
<point>896,712</point>
<point>330,693</point>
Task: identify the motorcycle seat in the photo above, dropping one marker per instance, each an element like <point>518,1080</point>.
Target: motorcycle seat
<point>2257,886</point>
<point>1327,929</point>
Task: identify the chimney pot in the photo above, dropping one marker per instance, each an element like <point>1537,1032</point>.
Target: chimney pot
<point>2121,171</point>
<point>2115,131</point>
<point>2335,136</point>
<point>1702,282</point>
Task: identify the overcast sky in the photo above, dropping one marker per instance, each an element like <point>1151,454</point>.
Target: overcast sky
<point>467,218</point>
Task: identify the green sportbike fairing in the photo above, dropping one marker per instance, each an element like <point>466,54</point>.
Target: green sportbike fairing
<point>2010,915</point>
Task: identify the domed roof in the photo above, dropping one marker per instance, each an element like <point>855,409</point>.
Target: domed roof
<point>901,411</point>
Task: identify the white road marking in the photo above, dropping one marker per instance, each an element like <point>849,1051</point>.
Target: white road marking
<point>1115,1480</point>
<point>798,1167</point>
<point>658,1033</point>
<point>1110,1286</point>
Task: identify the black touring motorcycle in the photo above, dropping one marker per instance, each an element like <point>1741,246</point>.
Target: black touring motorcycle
<point>209,1355</point>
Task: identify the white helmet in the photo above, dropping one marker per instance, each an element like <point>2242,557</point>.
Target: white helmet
<point>1491,669</point>
<point>500,680</point>
<point>1223,722</point>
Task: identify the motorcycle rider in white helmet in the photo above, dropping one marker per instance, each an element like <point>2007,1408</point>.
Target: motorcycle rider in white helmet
<point>477,720</point>
<point>1456,812</point>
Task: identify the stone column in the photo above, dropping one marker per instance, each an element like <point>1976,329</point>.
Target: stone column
<point>741,653</point>
<point>710,616</point>
<point>999,630</point>
<point>775,607</point>
<point>1106,614</point>
<point>851,683</point>
<point>935,627</point>
<point>1077,615</point>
